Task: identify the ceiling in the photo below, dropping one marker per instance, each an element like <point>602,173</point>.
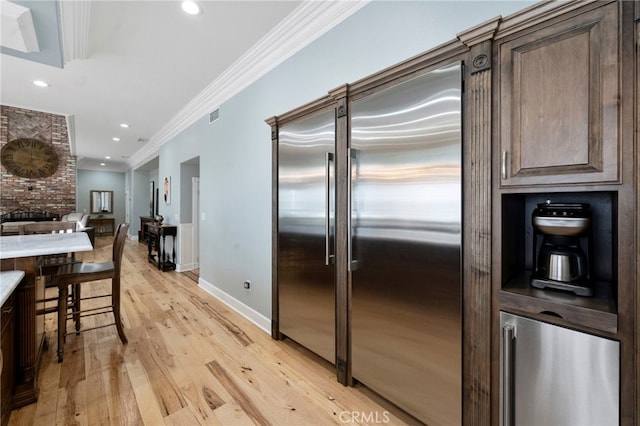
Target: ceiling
<point>150,65</point>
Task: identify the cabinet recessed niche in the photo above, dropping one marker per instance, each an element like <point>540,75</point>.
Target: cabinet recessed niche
<point>521,252</point>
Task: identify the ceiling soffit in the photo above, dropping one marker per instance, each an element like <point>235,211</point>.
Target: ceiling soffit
<point>44,15</point>
<point>18,32</point>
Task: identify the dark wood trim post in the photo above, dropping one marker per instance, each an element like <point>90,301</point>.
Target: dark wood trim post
<point>637,185</point>
<point>275,329</point>
<point>31,339</point>
<point>343,284</point>
<point>476,236</point>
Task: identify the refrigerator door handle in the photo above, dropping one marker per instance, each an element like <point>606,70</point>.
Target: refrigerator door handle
<point>328,257</point>
<point>508,343</point>
<point>352,264</point>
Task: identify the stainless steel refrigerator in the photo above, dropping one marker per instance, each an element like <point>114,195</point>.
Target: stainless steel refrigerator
<point>306,232</point>
<point>554,376</point>
<point>405,244</point>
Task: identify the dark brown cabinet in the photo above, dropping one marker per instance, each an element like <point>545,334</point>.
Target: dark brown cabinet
<point>559,111</point>
<point>563,131</point>
<point>518,252</point>
<point>7,320</point>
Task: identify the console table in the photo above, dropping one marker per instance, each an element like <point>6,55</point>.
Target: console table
<point>103,225</point>
<point>142,234</point>
<point>158,253</point>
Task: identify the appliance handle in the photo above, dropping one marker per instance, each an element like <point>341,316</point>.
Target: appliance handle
<point>508,343</point>
<point>328,257</point>
<point>352,264</point>
<point>503,165</point>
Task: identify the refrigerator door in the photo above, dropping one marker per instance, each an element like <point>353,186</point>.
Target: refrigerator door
<point>557,376</point>
<point>405,197</point>
<point>306,230</point>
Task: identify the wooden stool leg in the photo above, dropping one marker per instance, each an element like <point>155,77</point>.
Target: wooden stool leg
<point>63,293</point>
<point>76,306</point>
<point>115,294</point>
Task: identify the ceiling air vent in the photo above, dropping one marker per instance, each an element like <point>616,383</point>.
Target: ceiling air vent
<point>214,115</point>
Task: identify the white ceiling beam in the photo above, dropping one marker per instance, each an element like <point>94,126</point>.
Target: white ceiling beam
<point>18,32</point>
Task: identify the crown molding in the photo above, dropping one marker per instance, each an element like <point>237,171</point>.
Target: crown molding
<point>482,32</point>
<point>539,12</point>
<point>71,132</point>
<point>75,18</point>
<point>305,24</point>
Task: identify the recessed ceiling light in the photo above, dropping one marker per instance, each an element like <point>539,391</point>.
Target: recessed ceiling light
<point>116,139</point>
<point>103,164</point>
<point>191,7</point>
<point>125,125</point>
<point>41,83</point>
<point>107,157</point>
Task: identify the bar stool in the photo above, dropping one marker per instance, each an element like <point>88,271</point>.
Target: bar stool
<point>80,274</point>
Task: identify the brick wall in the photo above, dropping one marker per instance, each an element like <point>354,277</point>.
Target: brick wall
<point>56,193</point>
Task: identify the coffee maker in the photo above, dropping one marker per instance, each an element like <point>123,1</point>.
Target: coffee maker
<point>561,231</point>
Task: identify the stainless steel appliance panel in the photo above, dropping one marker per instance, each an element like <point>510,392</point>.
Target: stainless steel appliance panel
<point>557,376</point>
<point>306,231</point>
<point>405,166</point>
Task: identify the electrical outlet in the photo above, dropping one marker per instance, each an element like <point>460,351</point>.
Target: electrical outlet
<point>247,285</point>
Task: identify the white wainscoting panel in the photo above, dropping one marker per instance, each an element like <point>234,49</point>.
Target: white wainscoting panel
<point>185,262</point>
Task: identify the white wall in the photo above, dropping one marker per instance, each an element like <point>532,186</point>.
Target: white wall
<point>235,151</point>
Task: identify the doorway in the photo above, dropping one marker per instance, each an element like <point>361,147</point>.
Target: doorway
<point>195,220</point>
<point>189,233</point>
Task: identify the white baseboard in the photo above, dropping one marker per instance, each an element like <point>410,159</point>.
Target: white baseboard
<point>249,313</point>
<point>186,267</point>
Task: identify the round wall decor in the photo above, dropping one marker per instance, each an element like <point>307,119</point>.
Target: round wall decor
<point>29,158</point>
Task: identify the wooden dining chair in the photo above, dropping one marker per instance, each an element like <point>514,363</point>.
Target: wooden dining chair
<point>83,274</point>
<point>48,227</point>
<point>49,264</point>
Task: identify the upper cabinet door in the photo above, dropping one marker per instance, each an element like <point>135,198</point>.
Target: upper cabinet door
<point>558,102</point>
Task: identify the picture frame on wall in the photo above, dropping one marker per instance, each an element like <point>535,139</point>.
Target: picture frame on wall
<point>166,189</point>
<point>152,194</point>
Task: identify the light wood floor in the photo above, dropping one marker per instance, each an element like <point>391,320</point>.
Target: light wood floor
<point>190,361</point>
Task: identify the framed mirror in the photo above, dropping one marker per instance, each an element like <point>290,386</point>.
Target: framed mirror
<point>101,201</point>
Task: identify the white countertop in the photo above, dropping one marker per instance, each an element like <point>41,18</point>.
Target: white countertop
<point>9,280</point>
<point>42,244</point>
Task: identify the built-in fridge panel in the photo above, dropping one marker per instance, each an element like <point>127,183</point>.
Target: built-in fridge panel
<point>306,232</point>
<point>554,376</point>
<point>405,244</point>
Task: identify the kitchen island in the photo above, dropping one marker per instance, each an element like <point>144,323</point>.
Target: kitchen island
<point>21,253</point>
<point>9,281</point>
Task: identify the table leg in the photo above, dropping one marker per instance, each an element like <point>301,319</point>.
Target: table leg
<point>164,255</point>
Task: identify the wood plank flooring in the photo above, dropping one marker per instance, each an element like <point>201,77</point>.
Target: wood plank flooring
<point>190,361</point>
